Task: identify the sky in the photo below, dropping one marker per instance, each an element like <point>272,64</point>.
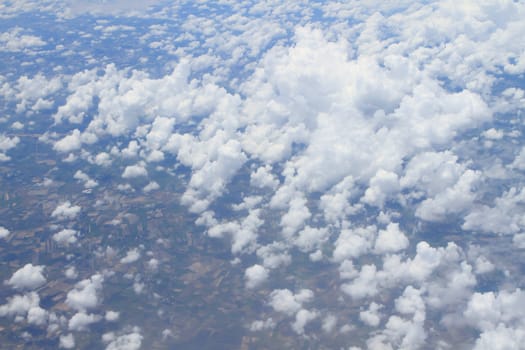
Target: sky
<point>378,142</point>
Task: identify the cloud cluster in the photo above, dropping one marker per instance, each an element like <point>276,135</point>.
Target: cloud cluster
<point>342,135</point>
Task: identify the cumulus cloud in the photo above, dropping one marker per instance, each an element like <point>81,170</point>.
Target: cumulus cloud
<point>133,171</point>
<point>81,321</point>
<point>390,240</point>
<point>14,40</point>
<point>83,177</point>
<point>65,211</point>
<point>69,143</point>
<point>255,275</point>
<point>131,341</point>
<point>86,293</point>
<point>28,277</point>
<point>131,256</point>
<point>152,186</point>
<point>283,300</point>
<point>4,233</point>
<point>372,316</point>
<point>20,304</point>
<point>7,143</point>
<point>65,236</point>
<point>67,341</point>
<point>335,134</point>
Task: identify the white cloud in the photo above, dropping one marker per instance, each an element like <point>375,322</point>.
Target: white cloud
<point>14,41</point>
<point>453,200</point>
<point>364,285</point>
<point>133,171</point>
<point>7,143</point>
<point>260,325</point>
<point>390,240</point>
<point>65,236</point>
<point>131,341</point>
<point>37,316</point>
<point>283,300</point>
<point>86,294</point>
<point>151,186</point>
<point>88,182</point>
<point>65,211</point>
<point>71,272</point>
<point>263,177</point>
<point>4,233</point>
<point>131,256</point>
<point>81,321</point>
<point>112,316</point>
<point>255,275</point>
<point>67,341</point>
<point>69,143</point>
<point>503,218</point>
<point>28,277</point>
<point>302,318</point>
<point>352,243</point>
<point>20,304</point>
<point>372,316</point>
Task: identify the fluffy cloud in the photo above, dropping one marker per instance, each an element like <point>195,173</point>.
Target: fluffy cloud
<point>255,275</point>
<point>20,304</point>
<point>28,277</point>
<point>65,236</point>
<point>283,300</point>
<point>7,143</point>
<point>390,240</point>
<point>67,341</point>
<point>4,233</point>
<point>69,143</point>
<point>133,171</point>
<point>86,293</point>
<point>66,211</point>
<point>81,321</point>
<point>14,40</point>
<point>131,256</point>
<point>83,177</point>
<point>372,316</point>
<point>131,341</point>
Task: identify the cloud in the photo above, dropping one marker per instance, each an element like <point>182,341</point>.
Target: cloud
<point>65,236</point>
<point>66,211</point>
<point>133,171</point>
<point>67,341</point>
<point>28,277</point>
<point>14,40</point>
<point>151,186</point>
<point>83,177</point>
<point>86,293</point>
<point>131,341</point>
<point>112,316</point>
<point>81,321</point>
<point>372,316</point>
<point>302,318</point>
<point>352,243</point>
<point>4,233</point>
<point>20,304</point>
<point>7,143</point>
<point>131,256</point>
<point>283,300</point>
<point>69,143</point>
<point>390,240</point>
<point>255,275</point>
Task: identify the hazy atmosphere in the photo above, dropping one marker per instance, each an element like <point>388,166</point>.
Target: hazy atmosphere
<point>262,174</point>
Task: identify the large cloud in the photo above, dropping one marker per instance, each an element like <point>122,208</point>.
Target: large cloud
<point>28,277</point>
